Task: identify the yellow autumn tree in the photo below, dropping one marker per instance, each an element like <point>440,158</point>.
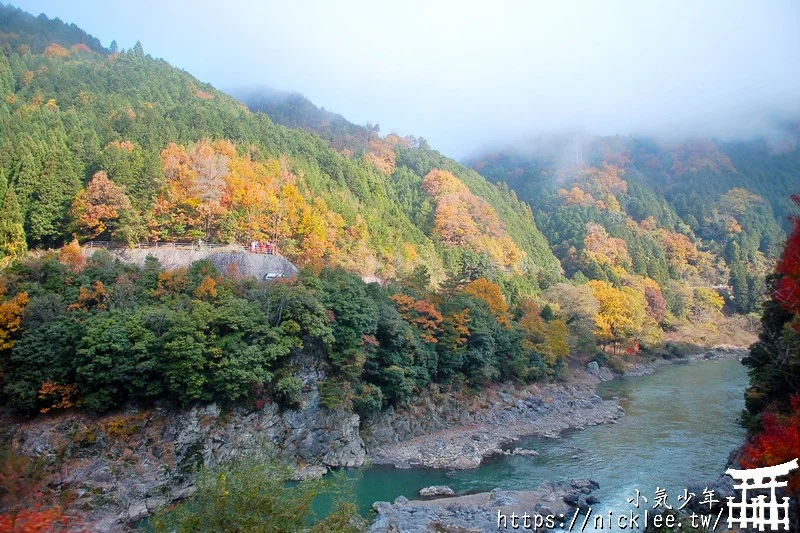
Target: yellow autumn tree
<point>613,320</point>
<point>11,312</point>
<point>548,338</point>
<point>622,318</point>
<point>490,293</point>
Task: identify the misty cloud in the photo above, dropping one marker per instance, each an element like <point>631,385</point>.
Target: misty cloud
<point>468,74</point>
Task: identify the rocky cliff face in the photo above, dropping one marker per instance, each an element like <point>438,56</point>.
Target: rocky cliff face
<point>124,466</point>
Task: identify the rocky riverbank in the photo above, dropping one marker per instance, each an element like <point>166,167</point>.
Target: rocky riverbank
<point>459,432</point>
<point>481,512</point>
<point>465,441</point>
<point>720,351</point>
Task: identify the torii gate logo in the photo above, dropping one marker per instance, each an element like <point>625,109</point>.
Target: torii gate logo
<point>760,511</point>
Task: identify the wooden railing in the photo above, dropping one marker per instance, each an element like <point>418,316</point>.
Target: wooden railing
<point>151,245</point>
<point>261,249</point>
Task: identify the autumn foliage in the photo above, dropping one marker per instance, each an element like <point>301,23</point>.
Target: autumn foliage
<point>599,186</point>
<point>787,292</point>
<point>422,314</point>
<point>217,194</point>
<point>777,443</point>
<point>99,206</point>
<point>11,312</point>
<point>56,396</point>
<point>463,219</point>
<point>21,499</point>
<point>490,293</point>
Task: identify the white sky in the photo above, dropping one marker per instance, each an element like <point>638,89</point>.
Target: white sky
<point>468,74</point>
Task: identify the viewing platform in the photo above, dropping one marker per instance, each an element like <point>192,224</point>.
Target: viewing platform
<point>229,259</point>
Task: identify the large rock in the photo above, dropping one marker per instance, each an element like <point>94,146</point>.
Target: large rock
<point>593,368</point>
<point>436,491</point>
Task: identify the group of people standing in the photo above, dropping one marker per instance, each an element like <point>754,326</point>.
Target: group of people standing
<point>268,247</point>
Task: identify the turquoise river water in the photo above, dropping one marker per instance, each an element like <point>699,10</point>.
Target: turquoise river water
<point>680,426</point>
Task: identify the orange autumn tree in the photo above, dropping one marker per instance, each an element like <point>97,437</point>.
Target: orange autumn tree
<point>98,208</point>
<point>56,51</point>
<point>463,219</point>
<point>381,154</point>
<point>217,193</point>
<point>94,298</point>
<point>57,396</point>
<point>421,314</point>
<point>682,253</point>
<point>598,186</point>
<point>490,293</point>
<point>11,312</point>
<point>72,256</point>
<point>604,249</point>
<point>190,204</point>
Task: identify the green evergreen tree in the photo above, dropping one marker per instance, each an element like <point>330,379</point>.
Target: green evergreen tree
<point>6,77</point>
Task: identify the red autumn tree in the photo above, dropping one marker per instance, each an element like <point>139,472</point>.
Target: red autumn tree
<point>788,268</point>
<point>421,314</point>
<point>23,498</point>
<point>778,443</point>
<point>656,304</point>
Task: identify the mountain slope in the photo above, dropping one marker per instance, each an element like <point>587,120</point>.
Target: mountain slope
<point>19,28</point>
<point>698,212</point>
<point>73,120</point>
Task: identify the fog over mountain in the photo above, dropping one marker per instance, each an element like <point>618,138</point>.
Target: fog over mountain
<point>467,74</point>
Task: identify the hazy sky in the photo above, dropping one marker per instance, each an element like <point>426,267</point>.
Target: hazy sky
<point>466,74</point>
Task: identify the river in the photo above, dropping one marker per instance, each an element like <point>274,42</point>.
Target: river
<point>680,425</point>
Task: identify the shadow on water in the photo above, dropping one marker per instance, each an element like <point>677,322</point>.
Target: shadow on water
<point>680,426</point>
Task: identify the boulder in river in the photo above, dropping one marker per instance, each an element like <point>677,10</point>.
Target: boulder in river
<point>524,452</point>
<point>436,491</point>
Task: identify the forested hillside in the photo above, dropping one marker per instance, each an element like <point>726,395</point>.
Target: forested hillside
<point>117,145</point>
<point>114,145</point>
<point>697,213</point>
